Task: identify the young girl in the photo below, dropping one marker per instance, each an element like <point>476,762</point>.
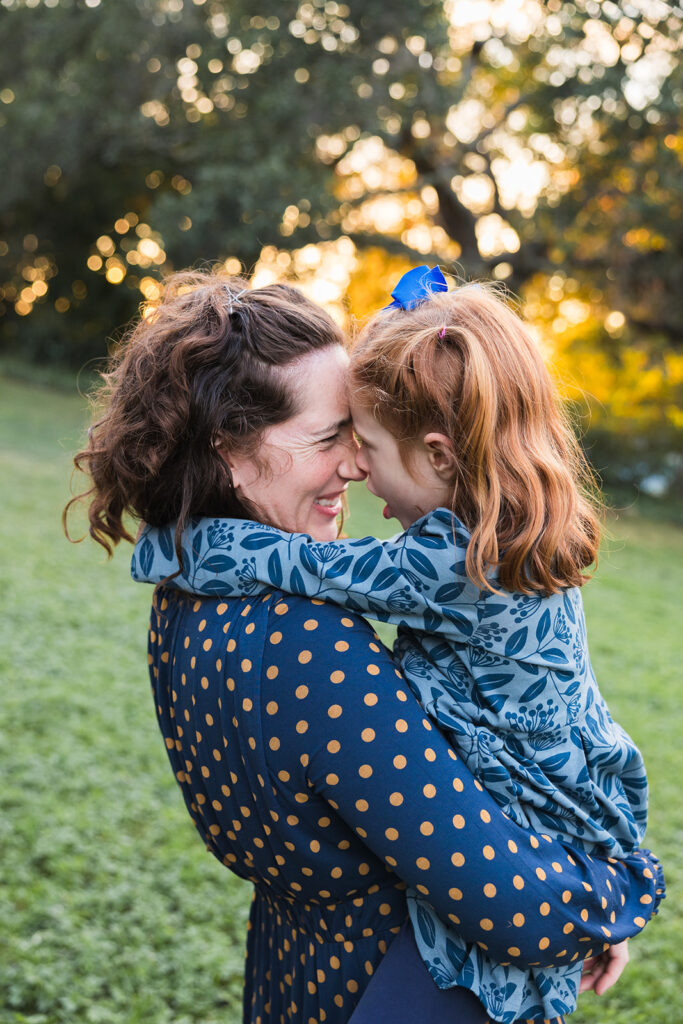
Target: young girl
<point>461,433</point>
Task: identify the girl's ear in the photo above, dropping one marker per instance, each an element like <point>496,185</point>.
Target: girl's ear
<point>440,454</point>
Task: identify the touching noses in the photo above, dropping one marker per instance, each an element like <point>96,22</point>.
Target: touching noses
<point>350,467</point>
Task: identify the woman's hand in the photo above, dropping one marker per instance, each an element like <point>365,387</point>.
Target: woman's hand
<point>601,972</point>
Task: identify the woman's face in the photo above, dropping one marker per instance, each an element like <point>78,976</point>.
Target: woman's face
<point>305,464</point>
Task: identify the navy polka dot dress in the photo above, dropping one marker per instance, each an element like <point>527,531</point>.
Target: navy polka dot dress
<point>309,768</point>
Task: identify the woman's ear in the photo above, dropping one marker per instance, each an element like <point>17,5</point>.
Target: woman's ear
<point>236,464</point>
<point>440,454</point>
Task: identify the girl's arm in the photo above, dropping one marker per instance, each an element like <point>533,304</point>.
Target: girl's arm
<point>417,580</point>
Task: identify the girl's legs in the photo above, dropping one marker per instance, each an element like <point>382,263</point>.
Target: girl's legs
<point>402,992</point>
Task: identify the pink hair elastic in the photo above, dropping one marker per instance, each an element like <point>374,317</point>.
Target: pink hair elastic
<point>442,332</point>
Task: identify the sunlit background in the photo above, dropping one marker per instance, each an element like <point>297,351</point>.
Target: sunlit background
<point>337,144</point>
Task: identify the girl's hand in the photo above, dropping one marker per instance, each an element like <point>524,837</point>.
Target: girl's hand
<point>601,972</point>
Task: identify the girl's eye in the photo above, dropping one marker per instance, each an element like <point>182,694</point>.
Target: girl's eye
<point>332,439</point>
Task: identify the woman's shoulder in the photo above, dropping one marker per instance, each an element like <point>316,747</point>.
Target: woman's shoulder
<point>286,614</point>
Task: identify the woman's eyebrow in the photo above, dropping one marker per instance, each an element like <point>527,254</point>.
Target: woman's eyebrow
<point>333,429</point>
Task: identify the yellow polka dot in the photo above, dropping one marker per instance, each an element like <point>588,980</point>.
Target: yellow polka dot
<point>458,821</point>
<point>362,805</point>
<point>426,828</point>
<point>486,924</point>
<point>367,735</point>
<point>458,785</point>
<point>250,627</point>
<point>231,645</point>
<point>271,707</point>
<point>331,779</point>
<point>422,863</point>
<point>311,624</point>
<point>274,743</point>
<point>455,894</point>
<point>334,711</point>
<point>489,852</point>
<point>334,746</point>
<point>301,692</point>
<point>301,727</point>
<point>281,608</point>
<point>304,657</point>
<point>247,704</point>
<point>541,874</point>
<point>391,833</point>
<point>544,909</point>
<point>365,771</point>
<point>230,683</point>
<point>429,754</point>
<point>512,846</point>
<point>458,860</point>
<point>489,890</point>
<point>245,665</point>
<point>569,927</point>
<point>204,683</point>
<point>518,882</point>
<point>400,761</point>
<point>370,699</point>
<point>544,943</point>
<point>429,790</point>
<point>341,645</point>
<point>396,799</point>
<point>640,921</point>
<point>534,842</point>
<point>518,920</point>
<point>207,644</point>
<point>401,725</point>
<point>373,670</point>
<point>337,676</point>
<point>347,622</point>
<point>514,951</point>
<point>272,671</point>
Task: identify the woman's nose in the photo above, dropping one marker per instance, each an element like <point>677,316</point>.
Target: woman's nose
<point>350,468</point>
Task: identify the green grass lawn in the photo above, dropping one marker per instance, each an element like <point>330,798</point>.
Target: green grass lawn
<point>111,910</point>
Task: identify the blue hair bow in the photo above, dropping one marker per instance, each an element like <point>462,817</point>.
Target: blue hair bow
<point>416,286</point>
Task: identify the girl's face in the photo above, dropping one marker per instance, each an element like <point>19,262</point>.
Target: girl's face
<point>305,464</point>
<point>412,493</point>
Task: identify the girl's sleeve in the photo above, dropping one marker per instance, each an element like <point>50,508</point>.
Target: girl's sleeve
<point>369,751</point>
<point>416,580</point>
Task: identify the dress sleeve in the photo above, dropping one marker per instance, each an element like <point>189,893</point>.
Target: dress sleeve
<point>417,579</point>
<point>367,748</point>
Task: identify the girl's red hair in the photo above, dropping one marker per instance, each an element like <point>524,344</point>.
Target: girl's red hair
<point>465,364</point>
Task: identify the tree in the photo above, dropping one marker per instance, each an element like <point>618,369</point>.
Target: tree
<point>145,134</point>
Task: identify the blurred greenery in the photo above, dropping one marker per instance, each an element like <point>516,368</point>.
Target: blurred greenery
<point>535,141</point>
<point>112,912</point>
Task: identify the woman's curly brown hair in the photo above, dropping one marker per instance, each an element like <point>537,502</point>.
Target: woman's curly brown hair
<point>198,374</point>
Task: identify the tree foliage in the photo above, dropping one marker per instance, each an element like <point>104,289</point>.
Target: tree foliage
<point>528,140</point>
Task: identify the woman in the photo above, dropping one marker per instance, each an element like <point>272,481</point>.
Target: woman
<point>304,762</point>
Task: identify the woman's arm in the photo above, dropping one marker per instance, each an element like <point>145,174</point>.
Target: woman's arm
<point>369,750</point>
<point>418,579</point>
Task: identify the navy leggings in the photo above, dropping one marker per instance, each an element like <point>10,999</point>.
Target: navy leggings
<point>402,992</point>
